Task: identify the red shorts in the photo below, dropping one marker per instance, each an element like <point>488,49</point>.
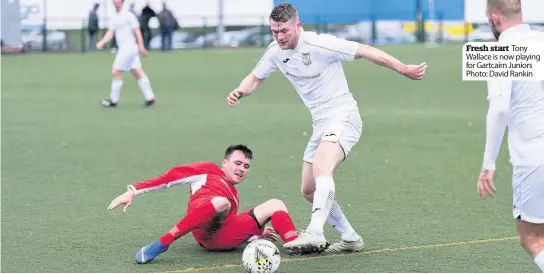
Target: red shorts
<point>227,233</point>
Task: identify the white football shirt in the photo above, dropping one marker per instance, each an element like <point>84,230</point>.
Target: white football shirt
<point>520,106</point>
<point>123,24</point>
<point>315,70</point>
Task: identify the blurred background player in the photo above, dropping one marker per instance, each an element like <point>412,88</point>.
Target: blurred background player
<point>124,25</point>
<point>312,63</point>
<point>520,106</point>
<point>213,205</point>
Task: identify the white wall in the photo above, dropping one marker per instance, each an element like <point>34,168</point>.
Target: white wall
<point>69,14</point>
<point>533,11</point>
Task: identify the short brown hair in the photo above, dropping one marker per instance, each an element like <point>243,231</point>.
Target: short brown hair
<point>284,12</point>
<point>506,8</point>
<point>239,147</point>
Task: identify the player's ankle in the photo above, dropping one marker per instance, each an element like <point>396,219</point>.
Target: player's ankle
<point>167,239</point>
<point>350,236</point>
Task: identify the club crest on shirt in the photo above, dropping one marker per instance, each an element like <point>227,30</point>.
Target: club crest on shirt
<point>306,59</point>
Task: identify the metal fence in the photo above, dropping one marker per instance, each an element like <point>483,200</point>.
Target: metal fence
<point>43,37</point>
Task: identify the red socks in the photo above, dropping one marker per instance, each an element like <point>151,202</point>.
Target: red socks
<point>282,223</point>
<point>193,219</point>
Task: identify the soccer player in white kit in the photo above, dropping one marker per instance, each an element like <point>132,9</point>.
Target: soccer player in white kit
<point>124,25</point>
<point>518,105</point>
<point>312,63</point>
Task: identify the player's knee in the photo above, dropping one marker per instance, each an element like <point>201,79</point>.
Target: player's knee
<point>320,170</point>
<point>533,244</point>
<point>328,156</point>
<point>221,204</point>
<point>138,73</point>
<point>116,74</point>
<point>277,205</point>
<point>307,194</point>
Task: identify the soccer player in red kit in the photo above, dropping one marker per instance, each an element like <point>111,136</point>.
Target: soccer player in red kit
<point>212,213</point>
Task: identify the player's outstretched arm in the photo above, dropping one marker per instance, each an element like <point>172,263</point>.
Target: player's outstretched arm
<point>377,56</point>
<point>246,88</point>
<point>123,199</point>
<point>105,39</point>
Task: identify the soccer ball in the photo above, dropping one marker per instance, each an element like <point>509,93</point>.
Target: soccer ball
<point>261,256</point>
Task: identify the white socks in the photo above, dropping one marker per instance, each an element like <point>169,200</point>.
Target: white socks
<point>539,260</point>
<point>143,83</point>
<point>145,87</point>
<point>115,92</point>
<point>339,221</point>
<point>323,201</point>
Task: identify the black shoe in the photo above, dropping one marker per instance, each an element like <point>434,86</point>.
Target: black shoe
<point>107,103</point>
<point>149,103</point>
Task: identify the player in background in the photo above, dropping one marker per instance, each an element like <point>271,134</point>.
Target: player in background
<point>124,25</point>
<point>518,105</point>
<point>213,205</point>
<point>312,64</point>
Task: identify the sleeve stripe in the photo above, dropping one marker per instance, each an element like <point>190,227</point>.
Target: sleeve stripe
<point>261,60</point>
<point>328,48</point>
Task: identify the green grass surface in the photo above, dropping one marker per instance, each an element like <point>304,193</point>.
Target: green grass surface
<point>410,182</point>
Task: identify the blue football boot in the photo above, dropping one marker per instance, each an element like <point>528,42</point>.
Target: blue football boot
<point>149,252</point>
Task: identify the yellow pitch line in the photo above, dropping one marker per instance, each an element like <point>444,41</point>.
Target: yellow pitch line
<point>484,241</point>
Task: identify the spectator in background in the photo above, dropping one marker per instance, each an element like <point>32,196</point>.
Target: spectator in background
<point>147,14</point>
<point>131,9</point>
<point>167,24</point>
<point>92,26</point>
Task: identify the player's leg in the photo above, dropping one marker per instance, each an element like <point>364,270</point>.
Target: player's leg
<point>337,139</point>
<point>201,212</point>
<point>238,229</point>
<point>116,85</point>
<point>143,81</point>
<point>350,240</point>
<point>528,190</point>
<point>123,62</point>
<point>275,211</point>
<point>531,237</point>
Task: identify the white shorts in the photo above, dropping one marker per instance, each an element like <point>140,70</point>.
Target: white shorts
<point>344,128</point>
<point>127,59</point>
<point>528,191</point>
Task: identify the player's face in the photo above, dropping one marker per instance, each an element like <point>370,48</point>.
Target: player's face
<point>118,4</point>
<point>494,20</point>
<point>286,33</point>
<point>236,166</point>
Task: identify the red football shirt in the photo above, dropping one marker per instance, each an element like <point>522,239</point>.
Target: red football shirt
<point>206,179</point>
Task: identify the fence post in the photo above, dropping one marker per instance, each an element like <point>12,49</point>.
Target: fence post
<point>374,29</point>
<point>466,31</point>
<point>440,30</point>
<point>204,26</point>
<point>83,48</point>
<point>262,32</point>
<point>44,31</point>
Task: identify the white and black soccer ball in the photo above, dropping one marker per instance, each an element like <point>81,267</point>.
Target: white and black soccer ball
<point>261,256</point>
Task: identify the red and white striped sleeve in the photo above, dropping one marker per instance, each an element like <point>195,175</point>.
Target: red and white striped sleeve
<point>179,175</point>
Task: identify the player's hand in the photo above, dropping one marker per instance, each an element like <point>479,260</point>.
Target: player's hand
<point>125,199</point>
<point>485,183</point>
<point>99,45</point>
<point>269,234</point>
<point>143,51</point>
<point>234,97</point>
<point>415,72</point>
